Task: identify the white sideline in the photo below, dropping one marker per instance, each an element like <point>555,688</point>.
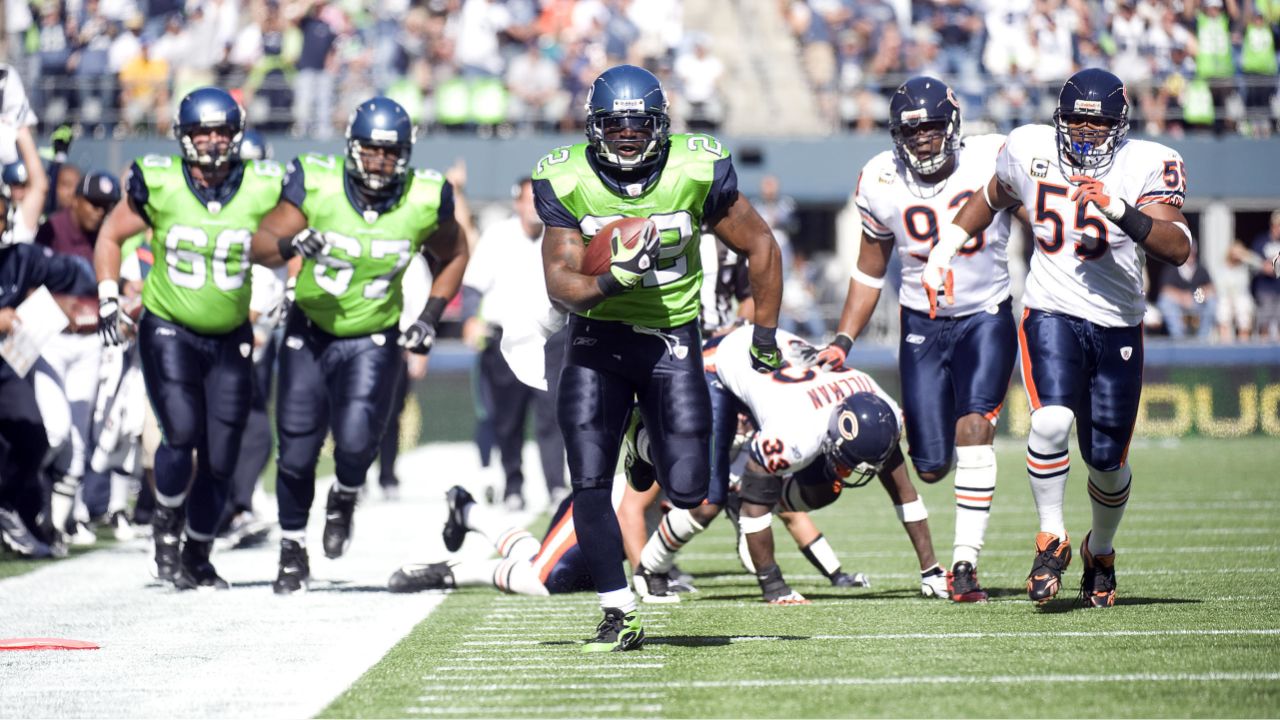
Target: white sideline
<point>243,652</point>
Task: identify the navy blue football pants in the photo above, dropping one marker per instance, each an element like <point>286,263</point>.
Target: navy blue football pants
<point>609,367</point>
<point>199,386</point>
<point>329,382</point>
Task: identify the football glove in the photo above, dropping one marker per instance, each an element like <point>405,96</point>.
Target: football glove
<point>419,338</point>
<point>765,356</point>
<point>933,583</point>
<point>630,265</point>
<point>309,243</point>
<point>1091,190</point>
<point>832,357</point>
<point>61,139</point>
<point>937,276</point>
<point>111,319</point>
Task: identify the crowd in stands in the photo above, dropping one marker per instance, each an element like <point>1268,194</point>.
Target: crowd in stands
<point>1189,64</point>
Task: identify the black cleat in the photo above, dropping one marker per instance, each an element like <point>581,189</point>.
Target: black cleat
<point>338,512</point>
<point>1052,557</point>
<point>196,572</point>
<point>617,632</point>
<point>843,579</point>
<point>1098,586</point>
<point>679,581</point>
<point>417,577</point>
<point>295,569</point>
<point>455,527</point>
<point>775,589</point>
<point>166,529</point>
<point>653,587</point>
<point>962,583</point>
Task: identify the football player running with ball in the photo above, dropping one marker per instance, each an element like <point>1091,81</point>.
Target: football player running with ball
<point>954,360</point>
<point>342,346</point>
<point>194,335</point>
<point>1098,203</point>
<point>633,330</point>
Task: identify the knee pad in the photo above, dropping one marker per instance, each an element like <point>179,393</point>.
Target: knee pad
<point>760,488</point>
<point>749,525</point>
<point>1052,424</point>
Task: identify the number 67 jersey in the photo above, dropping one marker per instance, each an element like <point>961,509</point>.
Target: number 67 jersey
<point>200,279</point>
<point>1083,265</point>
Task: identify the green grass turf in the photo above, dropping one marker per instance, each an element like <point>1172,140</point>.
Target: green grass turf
<point>11,565</point>
<point>1196,554</point>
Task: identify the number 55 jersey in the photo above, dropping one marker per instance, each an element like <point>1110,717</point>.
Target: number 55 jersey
<point>200,278</point>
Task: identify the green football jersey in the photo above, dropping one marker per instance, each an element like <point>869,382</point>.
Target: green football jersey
<point>200,279</point>
<point>669,294</point>
<point>354,287</point>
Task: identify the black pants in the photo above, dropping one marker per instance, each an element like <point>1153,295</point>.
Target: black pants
<point>389,450</point>
<point>511,402</point>
<point>328,382</point>
<point>255,448</point>
<point>23,445</point>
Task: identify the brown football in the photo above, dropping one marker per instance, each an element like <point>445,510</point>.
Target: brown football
<point>599,250</point>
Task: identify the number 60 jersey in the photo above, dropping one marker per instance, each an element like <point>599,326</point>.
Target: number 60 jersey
<point>896,207</point>
<point>1083,265</point>
<point>201,273</point>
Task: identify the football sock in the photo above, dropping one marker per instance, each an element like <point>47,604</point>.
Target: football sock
<point>205,504</point>
<point>517,544</point>
<point>121,485</point>
<point>600,540</point>
<point>294,496</point>
<point>622,599</point>
<point>510,542</point>
<point>1048,464</point>
<point>975,486</point>
<point>821,556</point>
<point>1108,494</point>
<point>173,474</point>
<point>517,576</point>
<point>298,536</point>
<point>675,529</point>
<point>475,572</point>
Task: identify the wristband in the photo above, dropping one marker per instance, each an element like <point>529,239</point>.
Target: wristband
<point>875,283</point>
<point>1134,223</point>
<point>434,309</point>
<point>844,342</point>
<point>609,285</point>
<point>285,245</point>
<point>108,290</point>
<point>764,337</point>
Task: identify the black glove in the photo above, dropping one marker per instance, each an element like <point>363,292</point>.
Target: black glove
<point>309,243</point>
<point>421,335</point>
<point>110,320</point>
<point>765,356</point>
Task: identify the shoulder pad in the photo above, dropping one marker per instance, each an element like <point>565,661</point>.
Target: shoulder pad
<point>265,168</point>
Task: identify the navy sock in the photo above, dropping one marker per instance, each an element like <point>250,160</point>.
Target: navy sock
<point>599,537</point>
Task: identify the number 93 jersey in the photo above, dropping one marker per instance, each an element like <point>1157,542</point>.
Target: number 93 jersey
<point>697,183</point>
<point>791,406</point>
<point>200,279</point>
<point>1083,265</point>
<point>896,207</point>
<point>354,288</point>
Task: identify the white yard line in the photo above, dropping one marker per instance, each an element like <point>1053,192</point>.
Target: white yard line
<point>239,653</point>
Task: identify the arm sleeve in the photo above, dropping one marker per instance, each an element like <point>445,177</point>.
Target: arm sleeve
<point>446,201</point>
<point>135,190</point>
<point>67,274</point>
<point>723,192</point>
<point>1166,183</point>
<point>294,187</point>
<point>552,212</point>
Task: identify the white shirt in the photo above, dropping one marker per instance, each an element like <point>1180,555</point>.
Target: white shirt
<point>1071,273</point>
<point>506,269</point>
<point>16,110</point>
<point>792,414</point>
<point>889,199</point>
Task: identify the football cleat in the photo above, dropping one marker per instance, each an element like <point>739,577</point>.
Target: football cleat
<point>338,512</point>
<point>455,527</point>
<point>195,571</point>
<point>635,456</point>
<point>416,577</point>
<point>617,632</point>
<point>244,531</point>
<point>1053,555</point>
<point>295,569</point>
<point>1098,586</point>
<point>653,587</point>
<point>15,535</point>
<point>843,579</point>
<point>933,582</point>
<point>962,584</point>
<point>166,529</point>
<point>680,581</point>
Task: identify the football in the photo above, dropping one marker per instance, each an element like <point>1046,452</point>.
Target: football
<point>599,255</point>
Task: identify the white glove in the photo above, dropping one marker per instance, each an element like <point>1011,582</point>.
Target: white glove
<point>937,271</point>
<point>933,583</point>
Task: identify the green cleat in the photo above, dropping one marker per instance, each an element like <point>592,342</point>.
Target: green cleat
<point>616,633</point>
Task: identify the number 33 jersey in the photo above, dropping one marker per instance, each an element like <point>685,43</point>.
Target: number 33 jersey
<point>200,278</point>
<point>354,288</point>
<point>1083,265</point>
<point>889,198</point>
<point>791,406</point>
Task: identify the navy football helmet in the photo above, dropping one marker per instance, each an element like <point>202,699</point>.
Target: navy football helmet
<point>861,435</point>
<point>923,109</point>
<point>1091,95</point>
<point>254,147</point>
<point>380,122</point>
<point>15,173</point>
<point>628,127</point>
<point>203,109</point>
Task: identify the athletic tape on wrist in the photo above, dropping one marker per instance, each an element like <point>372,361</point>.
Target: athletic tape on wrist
<point>108,290</point>
<point>913,511</point>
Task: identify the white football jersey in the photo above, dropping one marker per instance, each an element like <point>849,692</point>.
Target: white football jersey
<point>889,199</point>
<point>792,406</point>
<point>1083,265</point>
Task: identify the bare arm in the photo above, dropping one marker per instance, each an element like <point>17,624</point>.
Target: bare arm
<point>278,227</point>
<point>449,245</point>
<point>749,235</point>
<point>122,223</point>
<point>860,301</point>
<point>977,215</point>
<point>1167,241</point>
<point>37,181</point>
<point>567,286</point>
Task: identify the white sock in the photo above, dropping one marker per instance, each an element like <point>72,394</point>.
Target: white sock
<point>470,573</point>
<point>517,544</point>
<point>517,576</point>
<point>171,501</point>
<point>674,530</point>
<point>121,489</point>
<point>622,599</point>
<point>820,554</point>
<point>62,504</point>
<point>298,536</point>
<point>975,486</point>
<point>1108,494</point>
<point>1048,464</point>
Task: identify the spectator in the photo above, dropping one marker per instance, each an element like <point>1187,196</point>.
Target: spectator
<point>1235,303</point>
<point>779,212</point>
<point>314,85</point>
<point>144,90</point>
<point>90,63</point>
<point>477,37</point>
<point>73,230</point>
<point>1258,62</point>
<point>1266,286</point>
<point>1187,292</point>
<point>125,45</point>
<point>698,73</point>
<point>537,100</point>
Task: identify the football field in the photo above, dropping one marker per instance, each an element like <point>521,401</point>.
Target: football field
<point>1196,631</point>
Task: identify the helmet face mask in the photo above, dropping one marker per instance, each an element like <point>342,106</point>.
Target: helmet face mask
<point>924,122</point>
<point>628,127</point>
<point>1091,121</point>
<point>380,139</point>
<point>209,126</point>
